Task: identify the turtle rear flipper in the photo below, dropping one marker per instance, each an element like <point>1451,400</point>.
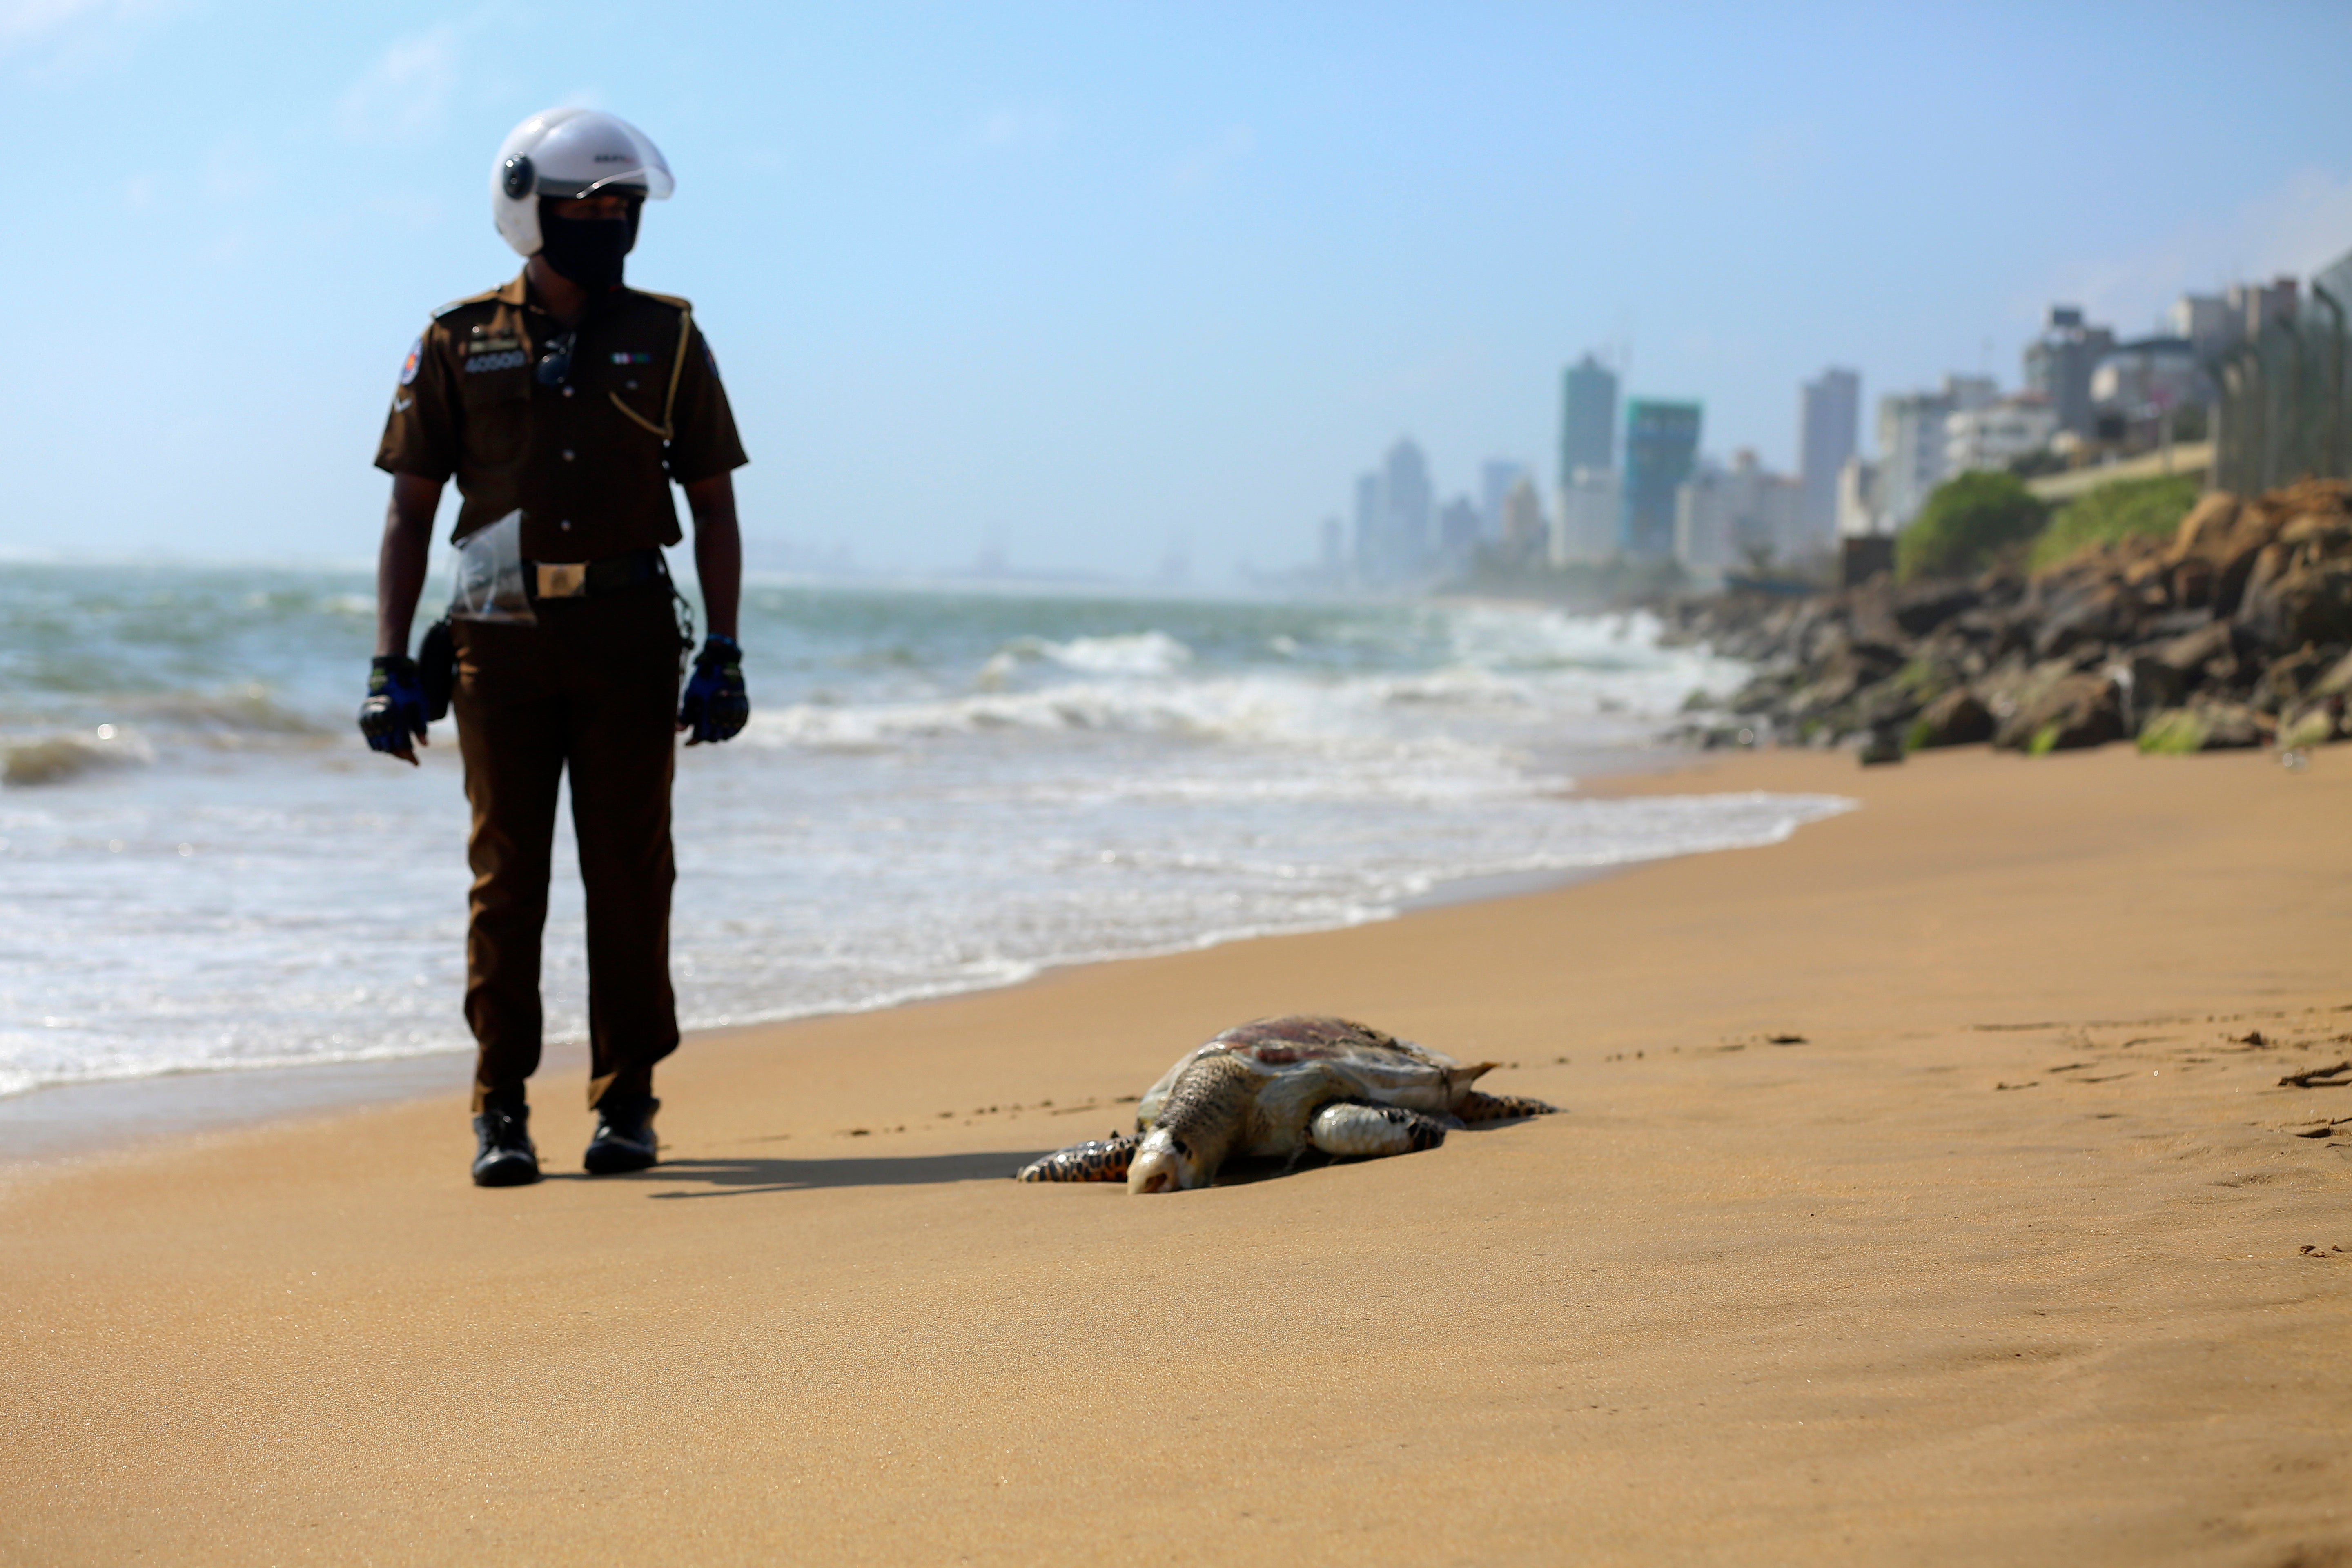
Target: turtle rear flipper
<point>1102,1160</point>
<point>1480,1106</point>
<point>1349,1128</point>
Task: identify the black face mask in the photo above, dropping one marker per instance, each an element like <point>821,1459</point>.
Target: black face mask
<point>590,252</point>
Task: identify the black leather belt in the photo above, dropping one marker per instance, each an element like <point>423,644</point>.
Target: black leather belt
<point>586,579</point>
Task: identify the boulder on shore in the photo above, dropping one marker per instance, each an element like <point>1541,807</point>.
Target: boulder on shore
<point>2241,618</point>
<point>2296,602</point>
<point>2066,714</point>
<point>2156,684</point>
<point>1956,719</point>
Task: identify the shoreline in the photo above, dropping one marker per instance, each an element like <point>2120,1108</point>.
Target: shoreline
<point>1934,1186</point>
<point>75,1120</point>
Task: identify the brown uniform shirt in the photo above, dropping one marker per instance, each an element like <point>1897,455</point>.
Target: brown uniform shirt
<point>590,480</point>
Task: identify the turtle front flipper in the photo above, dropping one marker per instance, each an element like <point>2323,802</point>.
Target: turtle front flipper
<point>1480,1106</point>
<point>1349,1128</point>
<point>1102,1160</point>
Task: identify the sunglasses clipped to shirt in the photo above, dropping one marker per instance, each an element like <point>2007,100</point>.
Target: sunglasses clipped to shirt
<point>555,364</point>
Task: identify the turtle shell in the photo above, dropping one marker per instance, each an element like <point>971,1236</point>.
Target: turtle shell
<point>1300,1063</point>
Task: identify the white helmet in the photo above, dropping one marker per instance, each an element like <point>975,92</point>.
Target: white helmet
<point>569,152</point>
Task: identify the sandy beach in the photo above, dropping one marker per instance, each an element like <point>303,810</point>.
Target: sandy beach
<point>1926,1192</point>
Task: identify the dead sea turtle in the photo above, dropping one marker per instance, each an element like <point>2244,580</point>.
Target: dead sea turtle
<point>1279,1087</point>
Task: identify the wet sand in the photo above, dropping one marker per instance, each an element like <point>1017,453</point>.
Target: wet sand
<point>1926,1192</point>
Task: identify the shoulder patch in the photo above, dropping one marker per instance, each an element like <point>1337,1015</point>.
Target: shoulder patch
<point>484,298</point>
<point>408,365</point>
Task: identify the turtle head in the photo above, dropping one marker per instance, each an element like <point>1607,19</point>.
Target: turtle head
<point>1166,1162</point>
<point>1197,1123</point>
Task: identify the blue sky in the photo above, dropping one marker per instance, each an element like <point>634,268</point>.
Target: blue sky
<point>1079,283</point>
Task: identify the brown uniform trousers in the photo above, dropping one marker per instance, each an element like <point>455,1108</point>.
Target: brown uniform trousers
<point>591,690</point>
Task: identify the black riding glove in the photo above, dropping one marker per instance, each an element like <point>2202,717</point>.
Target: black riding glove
<point>395,709</point>
<point>715,707</point>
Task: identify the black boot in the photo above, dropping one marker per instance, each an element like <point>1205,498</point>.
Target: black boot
<point>625,1135</point>
<point>505,1158</point>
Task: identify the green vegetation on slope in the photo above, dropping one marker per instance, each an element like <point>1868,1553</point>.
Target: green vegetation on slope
<point>1970,519</point>
<point>2175,732</point>
<point>2118,510</point>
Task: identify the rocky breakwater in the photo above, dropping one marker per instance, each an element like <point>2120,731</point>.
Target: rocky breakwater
<point>2233,631</point>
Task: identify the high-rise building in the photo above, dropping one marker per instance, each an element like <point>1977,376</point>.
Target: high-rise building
<point>1410,503</point>
<point>1589,508</point>
<point>1743,515</point>
<point>1370,554</point>
<point>1526,536</point>
<point>1829,427</point>
<point>1496,478</point>
<point>1995,435</point>
<point>2137,380</point>
<point>2216,323</point>
<point>2257,305</point>
<point>2059,364</point>
<point>1335,549</point>
<point>1858,499</point>
<point>1395,514</point>
<point>1458,528</point>
<point>1911,444</point>
<point>2204,321</point>
<point>1661,446</point>
<point>1588,417</point>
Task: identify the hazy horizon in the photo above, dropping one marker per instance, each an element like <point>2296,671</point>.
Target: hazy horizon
<point>1082,287</point>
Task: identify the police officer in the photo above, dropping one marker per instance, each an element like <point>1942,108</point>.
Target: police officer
<point>564,405</point>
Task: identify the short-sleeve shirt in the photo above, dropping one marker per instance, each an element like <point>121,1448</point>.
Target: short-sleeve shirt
<point>585,459</point>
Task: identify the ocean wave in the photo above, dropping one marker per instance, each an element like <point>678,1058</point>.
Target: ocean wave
<point>1472,686</point>
<point>1300,708</point>
<point>1134,654</point>
<point>1236,708</point>
<point>249,711</point>
<point>1142,653</point>
<point>54,759</point>
<point>34,750</point>
<point>1491,634</point>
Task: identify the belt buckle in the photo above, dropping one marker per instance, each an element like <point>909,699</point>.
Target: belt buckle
<point>561,579</point>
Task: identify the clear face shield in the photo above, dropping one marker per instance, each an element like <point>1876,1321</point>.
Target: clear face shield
<point>630,183</point>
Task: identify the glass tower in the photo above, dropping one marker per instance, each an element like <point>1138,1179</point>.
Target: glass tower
<point>1661,449</point>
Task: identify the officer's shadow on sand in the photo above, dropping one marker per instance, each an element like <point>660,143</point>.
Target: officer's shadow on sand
<point>737,1177</point>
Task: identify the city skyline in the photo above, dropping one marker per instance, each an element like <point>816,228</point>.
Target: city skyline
<point>1063,286</point>
<point>2086,397</point>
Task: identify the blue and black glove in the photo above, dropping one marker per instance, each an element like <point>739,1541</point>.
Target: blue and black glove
<point>715,707</point>
<point>395,709</point>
